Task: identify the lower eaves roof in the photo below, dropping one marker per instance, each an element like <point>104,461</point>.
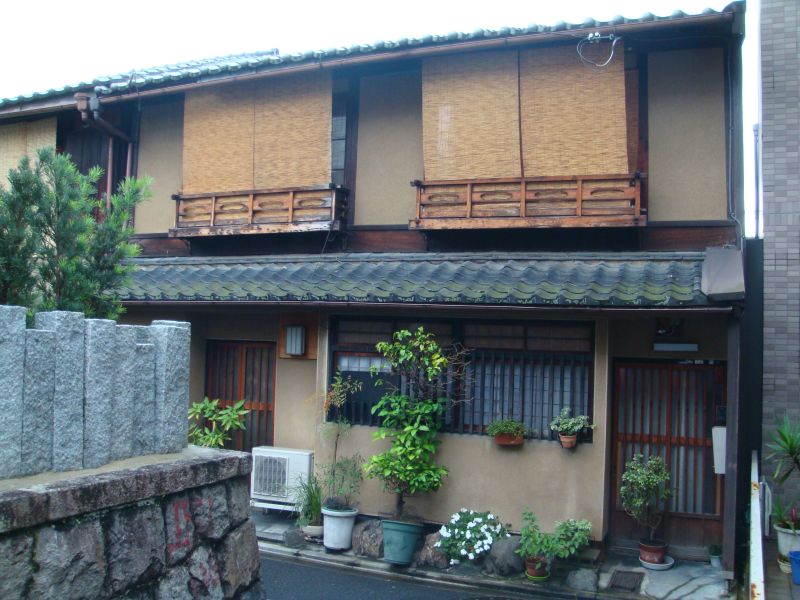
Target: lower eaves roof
<point>635,280</point>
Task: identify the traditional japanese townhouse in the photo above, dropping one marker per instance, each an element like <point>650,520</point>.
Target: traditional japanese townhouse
<point>562,201</point>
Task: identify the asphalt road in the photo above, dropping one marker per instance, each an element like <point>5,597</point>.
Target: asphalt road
<point>297,580</point>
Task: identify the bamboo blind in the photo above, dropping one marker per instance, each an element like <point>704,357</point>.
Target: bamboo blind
<point>293,131</point>
<point>573,116</point>
<point>21,139</point>
<point>632,109</point>
<point>258,135</point>
<point>470,116</point>
<point>218,139</point>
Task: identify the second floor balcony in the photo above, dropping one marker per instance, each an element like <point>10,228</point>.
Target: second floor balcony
<point>580,201</point>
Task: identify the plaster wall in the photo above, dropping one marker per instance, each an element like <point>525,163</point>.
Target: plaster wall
<point>21,139</point>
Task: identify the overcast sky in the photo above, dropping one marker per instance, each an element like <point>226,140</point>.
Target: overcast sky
<point>50,43</point>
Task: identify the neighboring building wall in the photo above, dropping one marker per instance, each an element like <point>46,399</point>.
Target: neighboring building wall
<point>686,117</point>
<point>21,139</point>
<point>170,527</point>
<point>160,157</point>
<point>780,72</point>
<point>389,148</point>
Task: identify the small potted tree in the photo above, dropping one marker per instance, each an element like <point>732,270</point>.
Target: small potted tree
<point>568,427</point>
<point>308,503</point>
<point>785,447</point>
<point>411,420</point>
<point>643,492</point>
<point>507,432</point>
<point>538,549</point>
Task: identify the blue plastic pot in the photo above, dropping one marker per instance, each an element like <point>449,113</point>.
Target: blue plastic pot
<point>794,559</point>
<point>400,540</point>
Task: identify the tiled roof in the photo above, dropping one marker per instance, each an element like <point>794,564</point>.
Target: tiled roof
<point>238,64</point>
<point>666,279</point>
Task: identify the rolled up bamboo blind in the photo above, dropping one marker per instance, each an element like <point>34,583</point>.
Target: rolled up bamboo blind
<point>258,135</point>
<point>470,116</point>
<point>573,116</point>
<point>293,131</point>
<point>21,139</point>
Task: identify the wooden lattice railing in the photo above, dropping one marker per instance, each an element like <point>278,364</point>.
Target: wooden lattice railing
<point>257,211</point>
<point>581,201</point>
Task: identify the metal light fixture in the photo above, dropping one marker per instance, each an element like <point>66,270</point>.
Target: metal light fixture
<point>295,340</point>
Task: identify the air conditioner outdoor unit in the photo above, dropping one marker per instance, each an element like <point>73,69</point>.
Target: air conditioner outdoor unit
<point>276,472</point>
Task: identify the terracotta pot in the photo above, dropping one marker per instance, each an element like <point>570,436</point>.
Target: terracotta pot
<point>568,441</point>
<point>537,569</point>
<point>652,551</point>
<point>506,439</point>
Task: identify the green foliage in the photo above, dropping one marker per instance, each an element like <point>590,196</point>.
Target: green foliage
<point>785,447</point>
<point>566,425</point>
<point>62,247</point>
<point>469,534</point>
<point>566,540</point>
<point>644,490</point>
<point>342,479</point>
<point>211,424</point>
<point>308,501</point>
<point>784,516</point>
<point>506,426</point>
<point>410,420</point>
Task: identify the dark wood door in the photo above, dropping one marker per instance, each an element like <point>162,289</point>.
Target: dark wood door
<point>236,370</point>
<point>668,409</point>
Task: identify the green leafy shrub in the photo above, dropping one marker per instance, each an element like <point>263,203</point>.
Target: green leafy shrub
<point>644,491</point>
<point>507,427</point>
<point>785,446</point>
<point>342,479</point>
<point>566,425</point>
<point>469,534</point>
<point>308,501</point>
<point>211,424</point>
<point>567,539</point>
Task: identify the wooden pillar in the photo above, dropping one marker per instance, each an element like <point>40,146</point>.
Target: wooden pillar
<point>729,524</point>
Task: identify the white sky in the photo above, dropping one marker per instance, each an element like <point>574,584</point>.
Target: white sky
<point>50,43</point>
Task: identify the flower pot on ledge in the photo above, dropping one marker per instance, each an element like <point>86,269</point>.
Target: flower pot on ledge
<point>508,439</point>
<point>568,441</point>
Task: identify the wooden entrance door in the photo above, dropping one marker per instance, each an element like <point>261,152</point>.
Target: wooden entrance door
<point>669,409</point>
<point>236,370</point>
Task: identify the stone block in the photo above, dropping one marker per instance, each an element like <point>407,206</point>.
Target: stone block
<point>174,585</point>
<point>172,387</point>
<point>179,528</point>
<point>503,558</point>
<point>430,555</point>
<point>204,580</point>
<point>166,323</point>
<point>238,559</point>
<point>71,562</point>
<point>140,594</point>
<point>238,500</point>
<point>210,511</point>
<point>100,373</point>
<point>16,569</point>
<point>136,547</point>
<point>37,401</point>
<point>584,580</point>
<point>12,362</point>
<point>368,538</point>
<point>144,424</point>
<point>123,402</point>
<point>68,394</point>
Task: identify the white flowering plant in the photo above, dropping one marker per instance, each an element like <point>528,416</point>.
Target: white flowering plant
<point>469,535</point>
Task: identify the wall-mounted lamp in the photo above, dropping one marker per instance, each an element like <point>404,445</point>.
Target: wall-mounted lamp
<point>675,347</point>
<point>295,340</point>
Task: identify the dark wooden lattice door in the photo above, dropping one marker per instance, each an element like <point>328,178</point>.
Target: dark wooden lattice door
<point>668,409</point>
<point>236,370</point>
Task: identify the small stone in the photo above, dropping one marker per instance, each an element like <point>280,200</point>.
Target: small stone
<point>238,559</point>
<point>204,579</point>
<point>209,507</point>
<point>71,562</point>
<point>430,555</point>
<point>238,500</point>
<point>179,528</point>
<point>503,559</point>
<point>174,585</point>
<point>15,565</point>
<point>368,538</point>
<point>584,580</point>
<point>294,538</point>
<point>135,547</point>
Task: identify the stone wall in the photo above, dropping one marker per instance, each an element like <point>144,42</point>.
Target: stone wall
<point>170,530</point>
<point>780,91</point>
<point>80,393</point>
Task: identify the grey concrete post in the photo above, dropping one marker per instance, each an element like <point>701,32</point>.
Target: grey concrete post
<point>12,361</point>
<point>172,386</point>
<point>144,423</point>
<point>100,373</point>
<point>37,401</point>
<point>123,400</point>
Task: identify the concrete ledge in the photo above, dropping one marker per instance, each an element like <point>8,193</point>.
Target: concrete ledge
<point>30,501</point>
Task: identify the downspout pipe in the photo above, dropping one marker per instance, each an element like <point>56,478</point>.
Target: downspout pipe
<point>89,107</point>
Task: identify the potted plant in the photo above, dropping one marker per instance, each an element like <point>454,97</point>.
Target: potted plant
<point>538,549</point>
<point>410,419</point>
<point>785,446</point>
<point>569,427</point>
<point>308,503</point>
<point>715,555</point>
<point>469,535</point>
<point>643,492</point>
<point>342,476</point>
<point>507,432</point>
